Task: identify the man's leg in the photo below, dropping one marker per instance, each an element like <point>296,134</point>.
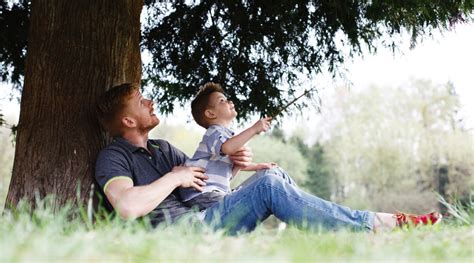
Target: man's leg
<point>272,192</point>
<point>261,173</point>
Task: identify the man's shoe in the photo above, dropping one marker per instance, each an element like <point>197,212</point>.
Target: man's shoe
<point>432,218</point>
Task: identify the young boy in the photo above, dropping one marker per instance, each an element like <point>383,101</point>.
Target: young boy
<point>214,112</point>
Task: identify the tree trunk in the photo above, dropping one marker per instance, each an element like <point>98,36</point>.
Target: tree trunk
<point>76,51</point>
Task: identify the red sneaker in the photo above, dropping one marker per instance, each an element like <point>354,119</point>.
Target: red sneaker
<point>432,218</point>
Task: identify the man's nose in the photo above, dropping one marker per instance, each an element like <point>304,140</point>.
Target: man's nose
<point>230,102</point>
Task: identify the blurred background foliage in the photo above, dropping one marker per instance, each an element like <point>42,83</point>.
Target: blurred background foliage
<point>387,149</point>
<point>7,151</point>
<point>392,149</point>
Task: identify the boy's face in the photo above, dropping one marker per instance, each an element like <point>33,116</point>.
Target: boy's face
<point>222,108</point>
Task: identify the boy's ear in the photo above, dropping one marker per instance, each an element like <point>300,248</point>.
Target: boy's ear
<point>210,114</point>
<point>128,122</point>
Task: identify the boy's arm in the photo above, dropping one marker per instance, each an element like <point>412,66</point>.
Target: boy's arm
<point>233,144</point>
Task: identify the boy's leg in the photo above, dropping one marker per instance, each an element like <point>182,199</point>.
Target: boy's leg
<point>271,192</point>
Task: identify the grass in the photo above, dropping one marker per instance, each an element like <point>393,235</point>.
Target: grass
<point>41,235</point>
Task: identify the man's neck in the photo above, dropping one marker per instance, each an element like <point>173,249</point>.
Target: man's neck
<point>136,138</point>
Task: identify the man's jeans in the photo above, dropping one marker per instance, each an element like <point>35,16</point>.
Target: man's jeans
<point>272,191</point>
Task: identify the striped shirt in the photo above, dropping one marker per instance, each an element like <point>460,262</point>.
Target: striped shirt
<point>209,156</point>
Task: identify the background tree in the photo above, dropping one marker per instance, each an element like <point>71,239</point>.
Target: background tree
<point>75,50</point>
<point>6,163</point>
<point>318,177</point>
<point>14,22</point>
<point>412,144</point>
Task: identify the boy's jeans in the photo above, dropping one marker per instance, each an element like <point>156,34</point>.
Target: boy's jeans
<point>272,191</point>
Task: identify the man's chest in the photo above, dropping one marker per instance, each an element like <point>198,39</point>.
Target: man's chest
<point>148,167</point>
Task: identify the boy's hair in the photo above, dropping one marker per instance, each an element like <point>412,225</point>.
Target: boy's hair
<point>201,102</point>
<point>110,105</point>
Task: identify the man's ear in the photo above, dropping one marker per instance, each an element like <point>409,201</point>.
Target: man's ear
<point>210,114</point>
<point>128,122</point>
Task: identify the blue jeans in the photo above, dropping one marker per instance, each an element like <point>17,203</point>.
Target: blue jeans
<point>272,191</point>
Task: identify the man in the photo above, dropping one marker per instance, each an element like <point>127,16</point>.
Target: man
<point>140,177</point>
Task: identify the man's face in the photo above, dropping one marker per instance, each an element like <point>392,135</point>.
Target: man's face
<point>223,109</point>
<point>140,110</point>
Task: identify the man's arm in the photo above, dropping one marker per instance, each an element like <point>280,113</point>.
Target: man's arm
<point>134,201</point>
<point>242,158</point>
<point>235,143</point>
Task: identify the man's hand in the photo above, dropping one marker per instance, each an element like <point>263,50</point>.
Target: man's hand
<point>262,125</point>
<point>190,176</point>
<point>242,158</point>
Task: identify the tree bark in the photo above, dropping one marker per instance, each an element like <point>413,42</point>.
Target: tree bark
<point>76,51</point>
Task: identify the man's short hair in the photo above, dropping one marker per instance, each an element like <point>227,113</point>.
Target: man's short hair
<point>111,104</point>
<point>201,102</point>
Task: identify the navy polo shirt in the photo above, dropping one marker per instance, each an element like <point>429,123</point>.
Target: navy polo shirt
<point>120,159</point>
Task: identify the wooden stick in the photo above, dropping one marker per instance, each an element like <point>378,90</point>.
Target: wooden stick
<point>291,102</point>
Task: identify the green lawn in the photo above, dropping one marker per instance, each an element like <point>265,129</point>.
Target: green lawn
<point>65,237</point>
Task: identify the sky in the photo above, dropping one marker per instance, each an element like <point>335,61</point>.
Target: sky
<point>447,57</point>
<point>444,57</point>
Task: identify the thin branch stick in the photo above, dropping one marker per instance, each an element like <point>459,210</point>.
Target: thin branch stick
<point>306,92</point>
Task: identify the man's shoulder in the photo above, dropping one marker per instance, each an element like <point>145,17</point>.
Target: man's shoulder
<point>113,150</point>
<point>114,146</point>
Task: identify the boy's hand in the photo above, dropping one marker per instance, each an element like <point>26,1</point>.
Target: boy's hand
<point>258,166</point>
<point>262,125</point>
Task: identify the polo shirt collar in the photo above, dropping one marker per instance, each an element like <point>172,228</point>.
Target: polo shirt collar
<point>132,148</point>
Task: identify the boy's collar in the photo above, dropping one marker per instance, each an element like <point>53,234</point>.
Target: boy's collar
<point>214,126</point>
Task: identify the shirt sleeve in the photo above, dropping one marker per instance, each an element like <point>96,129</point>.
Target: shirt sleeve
<point>215,140</point>
<point>112,164</point>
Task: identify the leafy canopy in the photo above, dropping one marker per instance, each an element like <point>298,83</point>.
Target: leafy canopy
<point>253,48</point>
